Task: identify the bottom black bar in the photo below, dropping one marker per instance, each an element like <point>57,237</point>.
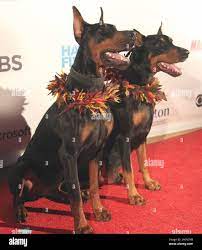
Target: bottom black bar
<point>171,241</point>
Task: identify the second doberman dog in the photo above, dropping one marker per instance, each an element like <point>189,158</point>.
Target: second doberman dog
<point>64,141</point>
<point>134,116</point>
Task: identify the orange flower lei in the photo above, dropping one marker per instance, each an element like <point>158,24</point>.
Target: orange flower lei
<point>95,101</point>
<point>149,93</point>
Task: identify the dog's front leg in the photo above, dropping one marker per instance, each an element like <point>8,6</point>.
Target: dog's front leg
<point>71,179</point>
<point>101,213</point>
<point>150,183</point>
<point>125,150</point>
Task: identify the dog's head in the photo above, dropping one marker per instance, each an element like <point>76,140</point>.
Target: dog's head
<point>102,43</point>
<point>158,53</point>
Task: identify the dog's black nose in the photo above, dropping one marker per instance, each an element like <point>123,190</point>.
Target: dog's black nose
<point>186,52</point>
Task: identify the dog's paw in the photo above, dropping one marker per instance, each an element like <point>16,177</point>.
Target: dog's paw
<point>152,185</point>
<point>137,200</point>
<point>102,215</point>
<point>21,214</point>
<point>84,230</point>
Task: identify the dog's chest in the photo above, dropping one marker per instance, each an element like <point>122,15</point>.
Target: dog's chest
<point>140,116</point>
<point>141,121</point>
<point>97,129</point>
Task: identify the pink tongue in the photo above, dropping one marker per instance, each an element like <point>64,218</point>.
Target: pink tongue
<point>116,56</point>
<point>170,68</point>
<point>173,67</point>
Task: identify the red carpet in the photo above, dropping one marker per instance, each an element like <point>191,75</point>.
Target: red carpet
<point>176,207</point>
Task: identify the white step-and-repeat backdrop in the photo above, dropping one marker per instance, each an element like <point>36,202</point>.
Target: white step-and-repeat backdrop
<point>36,41</point>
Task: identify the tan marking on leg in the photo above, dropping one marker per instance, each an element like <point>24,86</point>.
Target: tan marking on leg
<point>134,197</point>
<point>94,188</point>
<point>100,212</point>
<point>81,225</point>
<point>142,157</point>
<point>130,183</point>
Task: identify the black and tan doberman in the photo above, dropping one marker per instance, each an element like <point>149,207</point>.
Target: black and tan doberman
<point>64,141</point>
<point>133,117</point>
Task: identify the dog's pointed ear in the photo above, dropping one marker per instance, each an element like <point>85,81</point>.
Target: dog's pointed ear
<point>78,24</point>
<point>101,22</point>
<point>160,30</point>
<point>139,38</point>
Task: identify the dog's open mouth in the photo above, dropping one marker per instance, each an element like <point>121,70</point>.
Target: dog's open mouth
<point>115,59</point>
<point>170,69</point>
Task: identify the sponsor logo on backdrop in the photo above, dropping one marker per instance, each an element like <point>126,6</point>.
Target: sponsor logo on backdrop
<point>8,63</point>
<point>196,45</point>
<point>161,113</point>
<point>199,100</point>
<point>10,134</point>
<point>68,53</point>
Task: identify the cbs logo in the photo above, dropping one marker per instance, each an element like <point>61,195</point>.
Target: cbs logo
<point>10,63</point>
<point>199,101</point>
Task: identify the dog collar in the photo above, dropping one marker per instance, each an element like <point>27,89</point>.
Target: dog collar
<point>150,93</point>
<point>94,101</point>
<point>85,82</point>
